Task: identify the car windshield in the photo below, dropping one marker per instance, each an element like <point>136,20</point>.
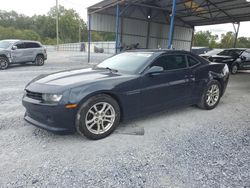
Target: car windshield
<point>232,53</point>
<point>127,62</point>
<point>5,44</point>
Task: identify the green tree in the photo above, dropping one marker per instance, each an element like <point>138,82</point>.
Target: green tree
<point>227,40</point>
<point>69,23</point>
<point>206,39</point>
<point>243,42</point>
<point>12,33</point>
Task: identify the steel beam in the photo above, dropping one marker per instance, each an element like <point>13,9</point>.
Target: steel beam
<point>89,36</point>
<point>236,34</point>
<point>117,28</point>
<point>171,29</point>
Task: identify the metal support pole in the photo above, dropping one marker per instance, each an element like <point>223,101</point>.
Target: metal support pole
<point>79,31</point>
<point>191,46</point>
<point>236,34</point>
<point>148,34</point>
<point>171,29</point>
<point>89,36</point>
<point>117,27</point>
<point>57,24</point>
<point>121,35</point>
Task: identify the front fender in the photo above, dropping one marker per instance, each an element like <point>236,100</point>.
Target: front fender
<point>80,94</point>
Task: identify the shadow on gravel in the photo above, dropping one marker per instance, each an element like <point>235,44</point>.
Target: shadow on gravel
<point>16,66</point>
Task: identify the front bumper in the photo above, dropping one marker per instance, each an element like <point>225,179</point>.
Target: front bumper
<point>56,119</point>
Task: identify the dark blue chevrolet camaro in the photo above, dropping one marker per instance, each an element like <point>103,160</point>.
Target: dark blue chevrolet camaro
<point>93,101</point>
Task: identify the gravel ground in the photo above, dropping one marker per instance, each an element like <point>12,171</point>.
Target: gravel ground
<point>178,148</point>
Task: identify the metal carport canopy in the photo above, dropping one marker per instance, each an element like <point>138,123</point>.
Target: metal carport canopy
<point>183,13</point>
<point>192,12</point>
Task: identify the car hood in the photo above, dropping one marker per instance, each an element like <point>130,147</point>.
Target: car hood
<point>220,58</point>
<point>61,81</point>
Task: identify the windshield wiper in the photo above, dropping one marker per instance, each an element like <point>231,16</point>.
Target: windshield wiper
<point>111,70</point>
<point>107,68</point>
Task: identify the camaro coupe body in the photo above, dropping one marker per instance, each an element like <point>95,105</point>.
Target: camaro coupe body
<point>93,101</point>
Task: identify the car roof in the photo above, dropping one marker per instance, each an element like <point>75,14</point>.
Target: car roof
<point>30,41</point>
<point>236,49</point>
<point>17,40</point>
<point>11,40</point>
<point>160,51</point>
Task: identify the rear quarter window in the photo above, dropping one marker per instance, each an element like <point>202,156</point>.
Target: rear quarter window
<point>192,62</point>
<point>32,45</point>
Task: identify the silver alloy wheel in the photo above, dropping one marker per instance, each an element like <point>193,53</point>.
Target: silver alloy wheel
<point>100,118</point>
<point>234,69</point>
<point>3,63</point>
<point>213,95</point>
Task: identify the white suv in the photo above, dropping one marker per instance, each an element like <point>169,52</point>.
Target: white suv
<point>21,51</point>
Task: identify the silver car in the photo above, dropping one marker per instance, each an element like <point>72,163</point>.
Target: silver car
<point>21,51</point>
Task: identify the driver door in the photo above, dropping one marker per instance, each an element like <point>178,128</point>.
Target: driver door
<point>19,53</point>
<point>166,89</point>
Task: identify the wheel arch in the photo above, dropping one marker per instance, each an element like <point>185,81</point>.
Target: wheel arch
<point>3,55</point>
<point>103,92</point>
<point>40,54</point>
<point>218,77</point>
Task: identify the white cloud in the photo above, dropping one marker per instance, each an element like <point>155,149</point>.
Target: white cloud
<point>31,7</point>
<point>224,28</point>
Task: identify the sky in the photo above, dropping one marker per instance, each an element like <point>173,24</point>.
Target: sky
<point>31,7</point>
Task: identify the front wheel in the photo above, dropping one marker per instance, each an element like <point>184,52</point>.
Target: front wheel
<point>98,117</point>
<point>211,96</point>
<point>4,63</point>
<point>39,61</point>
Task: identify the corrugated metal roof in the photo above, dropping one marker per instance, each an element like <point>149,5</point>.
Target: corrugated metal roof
<point>192,12</point>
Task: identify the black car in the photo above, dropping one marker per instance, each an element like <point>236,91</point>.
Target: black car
<point>93,101</point>
<point>236,59</point>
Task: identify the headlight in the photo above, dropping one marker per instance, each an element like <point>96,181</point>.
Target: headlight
<point>51,98</point>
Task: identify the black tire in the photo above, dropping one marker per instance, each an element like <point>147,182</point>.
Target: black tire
<point>84,113</point>
<point>205,103</point>
<point>4,63</point>
<point>234,69</point>
<point>39,61</point>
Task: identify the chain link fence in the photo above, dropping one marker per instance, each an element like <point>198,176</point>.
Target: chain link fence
<point>98,50</point>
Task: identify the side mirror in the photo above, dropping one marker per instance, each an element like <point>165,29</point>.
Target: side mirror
<point>243,58</point>
<point>14,47</point>
<point>154,70</point>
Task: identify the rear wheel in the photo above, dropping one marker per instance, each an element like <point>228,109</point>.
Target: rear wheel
<point>234,69</point>
<point>4,63</point>
<point>98,117</point>
<point>39,61</point>
<point>211,96</point>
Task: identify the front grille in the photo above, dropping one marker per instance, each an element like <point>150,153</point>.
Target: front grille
<point>34,95</point>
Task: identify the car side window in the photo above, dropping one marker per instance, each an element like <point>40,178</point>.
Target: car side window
<point>28,45</point>
<point>32,45</point>
<point>20,45</point>
<point>192,62</point>
<point>171,62</point>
